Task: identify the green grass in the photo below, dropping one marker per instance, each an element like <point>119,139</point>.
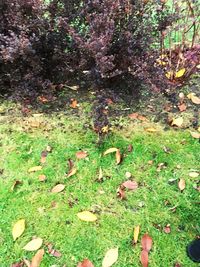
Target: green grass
<point>20,149</point>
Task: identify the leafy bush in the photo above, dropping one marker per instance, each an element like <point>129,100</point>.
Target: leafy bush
<point>43,44</point>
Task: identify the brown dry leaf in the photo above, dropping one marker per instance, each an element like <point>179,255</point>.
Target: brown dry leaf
<point>121,193</point>
<point>130,148</point>
<point>181,184</point>
<point>58,188</point>
<point>118,157</point>
<point>18,264</point>
<point>194,174</point>
<point>133,116</point>
<point>85,263</point>
<point>42,178</point>
<point>35,169</point>
<point>142,118</point>
<point>71,172</point>
<point>182,107</point>
<point>131,185</point>
<point>34,244</point>
<point>15,184</point>
<point>195,135</point>
<point>146,242</point>
<point>53,251</point>
<point>36,260</point>
<point>167,229</point>
<point>87,216</point>
<point>151,130</point>
<point>144,258</point>
<point>81,155</point>
<point>110,258</point>
<point>18,229</point>
<point>43,156</point>
<point>110,150</point>
<point>74,103</point>
<point>177,122</point>
<point>136,234</point>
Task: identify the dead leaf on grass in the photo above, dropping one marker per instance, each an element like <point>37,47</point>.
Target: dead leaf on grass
<point>195,99</point>
<point>136,234</point>
<point>18,229</point>
<point>110,150</point>
<point>121,193</point>
<point>34,244</point>
<point>118,157</point>
<point>42,178</point>
<point>81,154</point>
<point>146,242</point>
<point>144,258</point>
<point>167,229</point>
<point>195,135</point>
<point>15,184</point>
<point>194,174</point>
<point>181,184</point>
<point>36,260</point>
<point>131,185</point>
<point>52,251</point>
<point>58,188</point>
<point>87,216</point>
<point>85,263</point>
<point>182,107</point>
<point>177,122</point>
<point>110,258</point>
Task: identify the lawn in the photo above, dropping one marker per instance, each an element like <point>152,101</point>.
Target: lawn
<point>157,162</point>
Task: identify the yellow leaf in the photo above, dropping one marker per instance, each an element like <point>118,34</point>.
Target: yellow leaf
<point>105,129</point>
<point>194,174</point>
<point>87,216</point>
<point>177,122</point>
<point>110,258</point>
<point>195,99</point>
<point>36,260</point>
<point>180,73</point>
<point>35,169</point>
<point>71,172</point>
<point>110,150</point>
<point>198,129</point>
<point>18,229</point>
<point>34,244</point>
<point>169,74</point>
<point>136,234</point>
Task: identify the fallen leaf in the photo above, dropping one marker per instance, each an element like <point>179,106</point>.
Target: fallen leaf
<point>130,148</point>
<point>53,251</point>
<point>18,229</point>
<point>100,174</point>
<point>71,172</point>
<point>121,193</point>
<point>34,244</point>
<point>198,129</point>
<point>15,184</point>
<point>18,264</point>
<point>87,216</point>
<point>81,155</point>
<point>144,258</point>
<point>73,103</point>
<point>133,116</point>
<point>194,174</point>
<point>35,169</point>
<point>110,258</point>
<point>142,118</point>
<point>110,150</point>
<point>136,234</point>
<point>181,184</point>
<point>195,135</point>
<point>180,73</point>
<point>118,156</point>
<point>195,99</point>
<point>169,74</point>
<point>182,107</point>
<point>128,175</point>
<point>151,130</point>
<point>43,156</point>
<point>85,263</point>
<point>36,260</point>
<point>146,242</point>
<point>167,229</point>
<point>177,264</point>
<point>131,185</point>
<point>105,129</point>
<point>42,178</point>
<point>58,188</point>
<point>177,122</point>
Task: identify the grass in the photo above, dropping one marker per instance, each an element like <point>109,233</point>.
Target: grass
<point>20,148</point>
